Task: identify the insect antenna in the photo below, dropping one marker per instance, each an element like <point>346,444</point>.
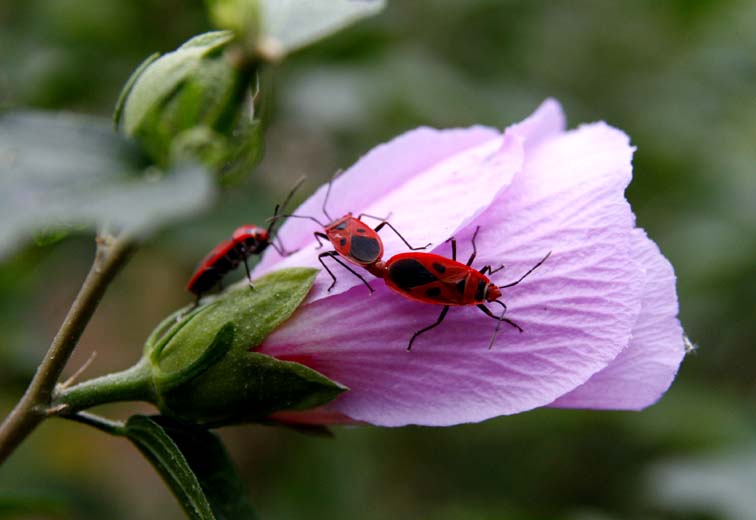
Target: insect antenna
<point>541,261</point>
<point>308,217</point>
<point>282,206</point>
<point>328,194</point>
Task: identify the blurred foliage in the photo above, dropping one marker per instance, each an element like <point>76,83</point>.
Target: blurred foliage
<point>677,76</point>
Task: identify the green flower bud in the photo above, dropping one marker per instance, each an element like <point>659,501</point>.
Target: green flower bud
<point>199,368</point>
<point>194,100</point>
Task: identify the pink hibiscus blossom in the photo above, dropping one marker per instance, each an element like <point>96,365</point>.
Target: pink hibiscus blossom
<point>599,316</point>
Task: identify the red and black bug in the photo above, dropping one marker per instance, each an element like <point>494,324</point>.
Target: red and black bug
<point>431,278</point>
<point>352,239</point>
<point>245,241</point>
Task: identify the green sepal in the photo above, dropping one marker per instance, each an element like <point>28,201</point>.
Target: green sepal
<point>222,342</point>
<point>240,385</point>
<point>126,90</point>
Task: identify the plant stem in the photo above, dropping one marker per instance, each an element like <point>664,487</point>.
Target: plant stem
<point>112,254</point>
<point>132,384</point>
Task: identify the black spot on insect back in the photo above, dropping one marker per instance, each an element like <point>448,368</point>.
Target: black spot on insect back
<point>433,292</point>
<point>364,249</point>
<point>342,241</point>
<point>361,230</point>
<point>439,267</point>
<point>480,292</point>
<point>461,285</point>
<point>408,273</point>
<point>341,226</point>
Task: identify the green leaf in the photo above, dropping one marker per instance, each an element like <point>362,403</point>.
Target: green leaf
<point>243,385</point>
<point>277,27</point>
<point>67,172</point>
<point>164,454</point>
<point>208,458</point>
<point>288,25</point>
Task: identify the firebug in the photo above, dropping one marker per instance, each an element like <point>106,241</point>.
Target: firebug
<point>353,240</point>
<point>436,279</point>
<point>245,241</point>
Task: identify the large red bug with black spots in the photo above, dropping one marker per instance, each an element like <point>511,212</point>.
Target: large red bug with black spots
<point>245,241</point>
<point>353,240</point>
<point>436,279</point>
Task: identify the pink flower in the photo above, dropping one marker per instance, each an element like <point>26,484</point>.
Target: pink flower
<point>599,316</point>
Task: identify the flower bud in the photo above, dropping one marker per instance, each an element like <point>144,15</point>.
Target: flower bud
<point>193,100</point>
<point>200,368</point>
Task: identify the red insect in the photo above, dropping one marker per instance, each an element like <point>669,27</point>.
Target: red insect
<point>431,278</point>
<point>352,239</point>
<point>245,241</point>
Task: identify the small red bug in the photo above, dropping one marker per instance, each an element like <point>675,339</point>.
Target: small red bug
<point>431,278</point>
<point>245,241</point>
<point>352,239</point>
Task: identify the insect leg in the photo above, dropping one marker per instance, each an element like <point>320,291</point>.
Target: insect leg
<point>335,256</point>
<point>318,235</point>
<point>245,254</point>
<point>249,276</point>
<point>385,222</point>
<point>429,327</point>
<point>475,250</point>
<point>454,247</point>
<point>489,270</point>
<point>501,318</point>
<point>280,248</point>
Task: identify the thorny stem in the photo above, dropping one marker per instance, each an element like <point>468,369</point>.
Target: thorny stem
<point>34,406</point>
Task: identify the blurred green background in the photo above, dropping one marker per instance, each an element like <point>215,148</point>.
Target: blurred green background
<point>678,75</point>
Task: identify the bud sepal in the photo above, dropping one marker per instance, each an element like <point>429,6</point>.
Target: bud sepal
<point>198,366</point>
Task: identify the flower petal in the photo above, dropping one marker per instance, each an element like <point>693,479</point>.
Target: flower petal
<point>427,200</point>
<point>546,122</point>
<point>644,370</point>
<point>577,310</point>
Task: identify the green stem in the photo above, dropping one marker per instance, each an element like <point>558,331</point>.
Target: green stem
<point>132,384</point>
<point>34,406</point>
